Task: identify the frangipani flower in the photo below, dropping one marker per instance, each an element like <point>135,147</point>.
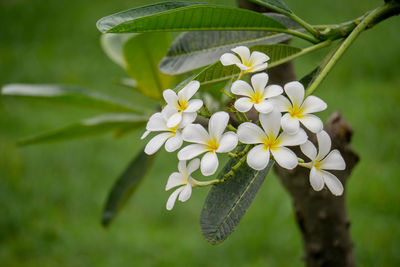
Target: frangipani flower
<point>270,141</point>
<point>299,110</point>
<point>171,136</point>
<point>182,179</point>
<point>212,142</point>
<point>181,102</point>
<point>257,95</point>
<point>255,62</point>
<point>323,161</point>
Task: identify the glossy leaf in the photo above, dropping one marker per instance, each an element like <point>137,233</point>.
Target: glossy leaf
<point>183,16</point>
<point>143,53</point>
<point>68,95</point>
<point>276,5</point>
<point>227,202</point>
<point>113,46</point>
<point>125,185</point>
<point>92,126</point>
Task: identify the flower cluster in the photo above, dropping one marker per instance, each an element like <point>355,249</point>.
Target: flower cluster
<point>275,129</point>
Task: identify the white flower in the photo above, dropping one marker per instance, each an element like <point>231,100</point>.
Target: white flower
<point>181,102</point>
<point>212,142</point>
<point>182,179</point>
<point>257,95</point>
<point>299,110</point>
<point>255,62</point>
<point>323,161</point>
<point>171,136</point>
<point>270,141</point>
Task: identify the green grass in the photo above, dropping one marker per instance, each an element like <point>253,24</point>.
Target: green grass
<point>51,196</point>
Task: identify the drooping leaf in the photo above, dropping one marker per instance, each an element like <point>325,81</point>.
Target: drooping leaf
<point>125,185</point>
<point>69,96</point>
<point>92,126</point>
<point>113,46</point>
<point>227,202</point>
<point>142,54</point>
<point>275,5</point>
<point>183,16</point>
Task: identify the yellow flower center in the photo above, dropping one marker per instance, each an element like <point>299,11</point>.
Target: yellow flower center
<point>256,98</point>
<point>173,130</point>
<point>182,105</point>
<point>296,112</point>
<point>212,145</point>
<point>270,143</point>
<point>317,165</point>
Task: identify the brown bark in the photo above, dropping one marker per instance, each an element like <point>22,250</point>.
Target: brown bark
<point>322,217</point>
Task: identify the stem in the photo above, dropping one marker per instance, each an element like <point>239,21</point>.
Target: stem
<point>205,183</point>
<point>345,45</point>
<point>301,53</point>
<point>233,169</point>
<point>305,25</point>
<point>301,35</point>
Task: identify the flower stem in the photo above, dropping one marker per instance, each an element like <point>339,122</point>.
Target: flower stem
<point>305,25</point>
<point>205,183</point>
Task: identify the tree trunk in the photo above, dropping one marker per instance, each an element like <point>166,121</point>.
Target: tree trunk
<point>322,217</point>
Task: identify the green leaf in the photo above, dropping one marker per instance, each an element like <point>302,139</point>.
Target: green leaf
<point>113,46</point>
<point>227,202</point>
<point>92,126</point>
<point>143,53</point>
<point>276,5</point>
<point>180,16</point>
<point>68,95</point>
<point>125,185</point>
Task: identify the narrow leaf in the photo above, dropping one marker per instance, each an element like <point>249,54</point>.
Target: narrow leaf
<point>180,16</point>
<point>227,202</point>
<point>92,126</point>
<point>69,96</point>
<point>276,5</point>
<point>125,185</point>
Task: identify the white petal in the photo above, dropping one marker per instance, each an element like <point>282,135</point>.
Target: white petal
<point>241,88</point>
<point>170,97</point>
<point>281,103</point>
<point>290,124</point>
<point>309,150</point>
<point>189,90</point>
<point>186,192</point>
<point>217,124</point>
<point>312,123</point>
<point>157,123</point>
<point>174,120</point>
<point>333,183</point>
<point>242,66</point>
<point>334,161</point>
<point>175,179</point>
<point>191,151</point>
<point>295,92</point>
<point>229,59</point>
<point>258,68</point>
<point>195,133</point>
<point>194,105</point>
<point>273,91</point>
<point>324,144</point>
<point>182,166</point>
<point>285,157</point>
<point>271,122</point>
<point>174,143</point>
<point>259,81</point>
<point>187,118</point>
<point>243,52</point>
<point>172,198</point>
<point>250,133</point>
<point>168,111</point>
<point>228,142</point>
<point>313,104</point>
<point>287,139</point>
<point>316,180</point>
<point>257,58</point>
<point>209,164</point>
<point>258,157</point>
<point>145,134</point>
<point>193,166</point>
<point>264,107</point>
<point>243,104</point>
<point>155,143</point>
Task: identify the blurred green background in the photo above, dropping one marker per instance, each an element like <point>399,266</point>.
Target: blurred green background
<point>51,196</point>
